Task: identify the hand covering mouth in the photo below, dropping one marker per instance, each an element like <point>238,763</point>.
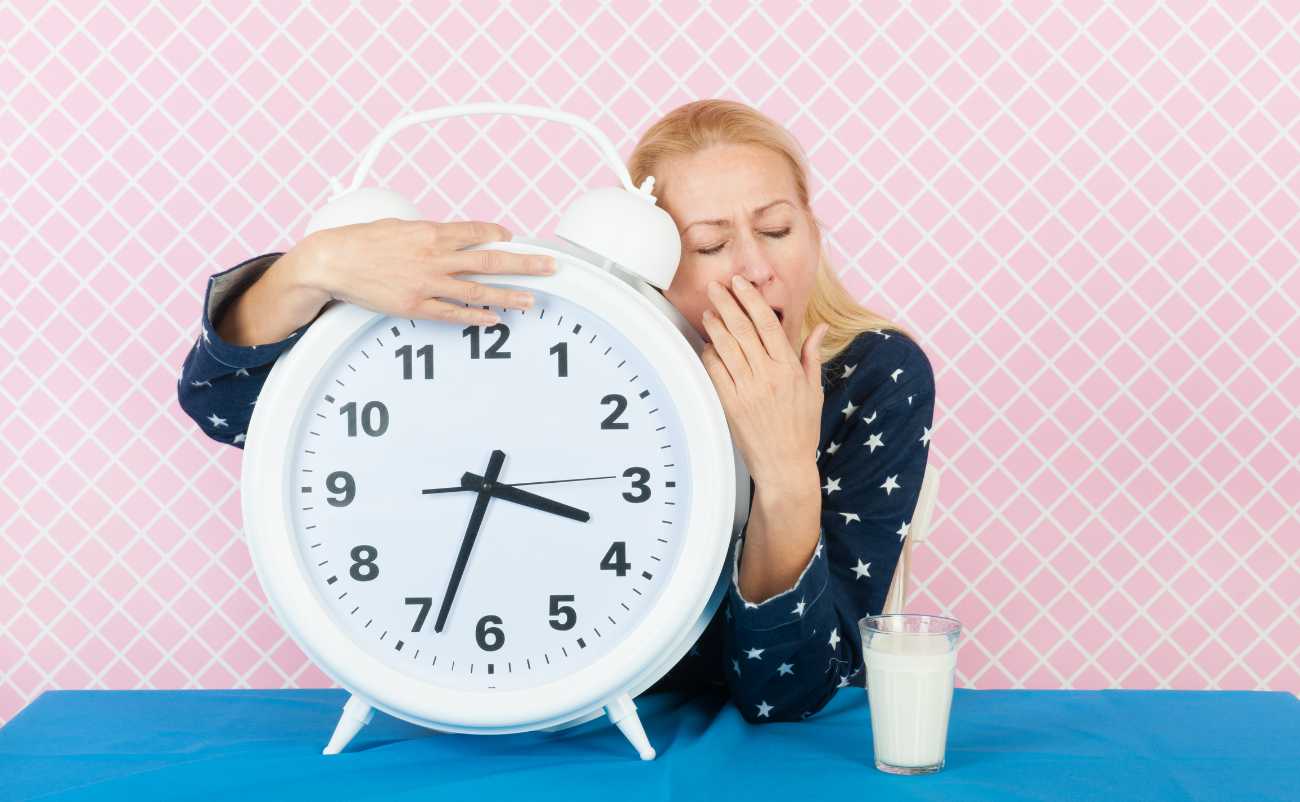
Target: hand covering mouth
<point>780,316</point>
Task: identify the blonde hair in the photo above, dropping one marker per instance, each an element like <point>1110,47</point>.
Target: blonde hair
<point>702,123</point>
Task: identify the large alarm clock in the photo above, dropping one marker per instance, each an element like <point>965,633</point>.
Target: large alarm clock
<point>494,529</point>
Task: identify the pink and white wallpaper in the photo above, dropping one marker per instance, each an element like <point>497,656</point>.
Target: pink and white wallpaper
<point>1090,213</point>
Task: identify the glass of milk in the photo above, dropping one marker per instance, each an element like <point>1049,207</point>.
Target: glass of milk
<point>910,661</point>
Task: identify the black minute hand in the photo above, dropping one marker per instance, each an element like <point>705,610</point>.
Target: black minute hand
<point>471,532</point>
<point>472,481</point>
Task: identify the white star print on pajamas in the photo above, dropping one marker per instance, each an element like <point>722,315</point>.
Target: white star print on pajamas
<point>791,670</point>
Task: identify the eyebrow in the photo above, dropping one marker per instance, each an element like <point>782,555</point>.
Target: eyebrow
<point>727,223</point>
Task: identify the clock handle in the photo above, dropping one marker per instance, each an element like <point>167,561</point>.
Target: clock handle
<point>593,134</point>
<point>356,714</point>
<point>622,712</point>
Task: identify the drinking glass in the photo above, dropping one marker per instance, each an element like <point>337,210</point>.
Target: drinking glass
<point>910,661</point>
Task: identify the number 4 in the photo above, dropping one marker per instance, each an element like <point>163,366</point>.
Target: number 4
<point>616,559</point>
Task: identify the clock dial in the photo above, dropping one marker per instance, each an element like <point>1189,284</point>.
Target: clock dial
<point>585,465</point>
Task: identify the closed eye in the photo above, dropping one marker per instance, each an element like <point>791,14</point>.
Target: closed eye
<point>773,234</point>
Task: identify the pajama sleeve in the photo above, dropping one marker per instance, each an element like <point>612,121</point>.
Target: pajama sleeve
<point>786,656</point>
<point>220,381</point>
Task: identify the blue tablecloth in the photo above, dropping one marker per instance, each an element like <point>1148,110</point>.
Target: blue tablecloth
<point>1003,744</point>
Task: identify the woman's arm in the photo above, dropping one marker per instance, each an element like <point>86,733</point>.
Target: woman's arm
<point>786,655</point>
<point>780,535</point>
<point>243,331</point>
<point>279,301</point>
<point>389,265</point>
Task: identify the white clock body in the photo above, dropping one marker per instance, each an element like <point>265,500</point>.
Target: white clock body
<point>599,401</point>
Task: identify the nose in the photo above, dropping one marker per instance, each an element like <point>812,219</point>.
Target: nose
<point>754,265</point>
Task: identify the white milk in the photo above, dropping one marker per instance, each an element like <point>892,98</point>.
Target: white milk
<point>910,694</point>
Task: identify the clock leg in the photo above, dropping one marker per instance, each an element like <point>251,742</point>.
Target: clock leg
<point>622,712</point>
<point>356,714</point>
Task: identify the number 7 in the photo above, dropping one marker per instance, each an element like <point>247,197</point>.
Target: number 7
<point>425,603</point>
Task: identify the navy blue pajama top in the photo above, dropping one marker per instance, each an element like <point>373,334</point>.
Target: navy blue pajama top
<point>782,659</point>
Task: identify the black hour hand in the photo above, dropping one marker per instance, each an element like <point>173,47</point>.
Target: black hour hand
<point>472,481</point>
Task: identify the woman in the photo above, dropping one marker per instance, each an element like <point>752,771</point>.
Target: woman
<point>830,404</point>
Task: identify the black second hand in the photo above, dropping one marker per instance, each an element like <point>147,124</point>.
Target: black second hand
<point>520,484</point>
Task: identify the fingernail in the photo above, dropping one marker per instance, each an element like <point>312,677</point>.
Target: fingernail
<point>522,299</point>
<point>737,281</point>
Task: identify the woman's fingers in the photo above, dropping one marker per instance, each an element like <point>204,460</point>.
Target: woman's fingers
<point>480,294</point>
<point>724,343</point>
<point>718,373</point>
<point>738,325</point>
<point>451,261</point>
<point>401,267</point>
<point>433,309</point>
<point>763,321</point>
<point>489,261</point>
<point>812,361</point>
<point>457,234</point>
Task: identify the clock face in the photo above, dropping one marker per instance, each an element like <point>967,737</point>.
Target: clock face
<point>405,424</point>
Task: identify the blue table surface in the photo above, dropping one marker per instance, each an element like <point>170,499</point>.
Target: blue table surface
<point>1002,744</point>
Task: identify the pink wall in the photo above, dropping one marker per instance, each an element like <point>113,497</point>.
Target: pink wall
<point>1090,215</point>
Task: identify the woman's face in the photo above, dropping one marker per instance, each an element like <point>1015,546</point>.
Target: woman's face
<point>737,213</point>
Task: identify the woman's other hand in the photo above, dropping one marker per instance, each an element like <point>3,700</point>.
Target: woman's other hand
<point>772,397</point>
